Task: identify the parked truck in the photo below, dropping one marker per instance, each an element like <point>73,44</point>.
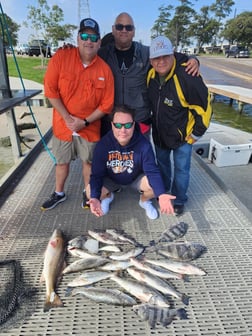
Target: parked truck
<point>39,47</point>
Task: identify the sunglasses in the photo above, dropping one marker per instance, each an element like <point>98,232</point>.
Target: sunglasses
<point>120,27</point>
<point>127,125</point>
<point>91,37</point>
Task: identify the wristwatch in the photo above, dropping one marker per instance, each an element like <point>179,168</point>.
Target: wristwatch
<point>86,122</point>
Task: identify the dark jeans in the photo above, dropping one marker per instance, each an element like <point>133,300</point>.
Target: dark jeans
<point>176,180</point>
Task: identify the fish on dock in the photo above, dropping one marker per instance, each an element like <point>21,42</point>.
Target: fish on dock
<point>78,242</point>
<point>141,291</point>
<point>157,283</point>
<point>174,232</point>
<point>127,254</point>
<point>83,264</point>
<point>116,265</point>
<point>154,314</point>
<point>177,266</point>
<point>105,295</point>
<point>54,262</point>
<point>123,236</point>
<point>106,238</point>
<point>89,277</point>
<point>80,253</point>
<point>156,270</point>
<point>185,251</point>
<point>85,243</point>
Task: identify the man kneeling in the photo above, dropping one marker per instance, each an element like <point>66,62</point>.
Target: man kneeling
<point>125,157</point>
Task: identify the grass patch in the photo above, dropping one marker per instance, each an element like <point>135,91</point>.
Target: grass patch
<point>31,68</point>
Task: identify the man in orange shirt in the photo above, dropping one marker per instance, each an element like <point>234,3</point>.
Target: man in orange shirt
<point>80,87</point>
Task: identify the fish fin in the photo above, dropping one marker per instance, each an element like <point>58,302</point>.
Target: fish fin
<point>68,291</point>
<point>152,243</point>
<point>185,277</point>
<point>167,321</point>
<point>181,313</point>
<point>42,278</point>
<point>185,299</point>
<point>52,301</point>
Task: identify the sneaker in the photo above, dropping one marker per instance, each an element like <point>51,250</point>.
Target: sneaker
<point>178,209</point>
<point>84,204</point>
<point>54,200</point>
<point>105,203</point>
<point>150,210</point>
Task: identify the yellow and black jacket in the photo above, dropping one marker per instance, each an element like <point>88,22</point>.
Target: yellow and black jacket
<point>180,106</point>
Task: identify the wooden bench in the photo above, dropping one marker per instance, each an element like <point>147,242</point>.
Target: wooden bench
<point>240,94</point>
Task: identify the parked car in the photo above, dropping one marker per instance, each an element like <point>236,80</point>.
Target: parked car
<point>8,50</point>
<point>22,49</point>
<point>38,47</point>
<point>237,52</point>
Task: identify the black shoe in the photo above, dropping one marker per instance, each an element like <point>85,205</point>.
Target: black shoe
<point>54,200</point>
<point>178,209</point>
<point>84,204</point>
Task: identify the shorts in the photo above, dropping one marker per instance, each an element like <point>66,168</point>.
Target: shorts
<point>66,151</point>
<point>109,184</point>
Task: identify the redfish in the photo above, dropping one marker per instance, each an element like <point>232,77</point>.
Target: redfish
<point>54,262</point>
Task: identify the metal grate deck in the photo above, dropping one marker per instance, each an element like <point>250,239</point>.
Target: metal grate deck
<point>220,302</point>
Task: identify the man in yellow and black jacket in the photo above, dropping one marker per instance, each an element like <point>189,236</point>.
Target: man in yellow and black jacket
<point>181,111</point>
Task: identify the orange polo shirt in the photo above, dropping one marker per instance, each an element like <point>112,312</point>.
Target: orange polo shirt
<point>82,90</point>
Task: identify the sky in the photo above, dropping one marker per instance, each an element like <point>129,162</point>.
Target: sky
<point>144,13</point>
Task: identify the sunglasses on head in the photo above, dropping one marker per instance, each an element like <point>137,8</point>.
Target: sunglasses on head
<point>120,27</point>
<point>127,125</point>
<point>91,37</point>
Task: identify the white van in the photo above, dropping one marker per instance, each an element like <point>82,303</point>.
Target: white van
<point>22,49</point>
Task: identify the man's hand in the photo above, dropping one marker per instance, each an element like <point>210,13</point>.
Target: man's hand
<point>95,207</point>
<point>75,124</point>
<point>190,140</point>
<point>165,203</point>
<point>192,67</point>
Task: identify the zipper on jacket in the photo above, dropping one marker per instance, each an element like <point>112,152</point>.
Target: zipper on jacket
<point>157,109</point>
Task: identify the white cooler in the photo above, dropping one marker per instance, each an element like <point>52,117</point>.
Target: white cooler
<point>229,155</point>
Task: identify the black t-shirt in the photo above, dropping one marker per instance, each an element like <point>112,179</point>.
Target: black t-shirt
<point>125,58</point>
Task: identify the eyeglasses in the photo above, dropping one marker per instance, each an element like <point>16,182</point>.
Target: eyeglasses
<point>127,125</point>
<point>91,37</point>
<point>120,27</point>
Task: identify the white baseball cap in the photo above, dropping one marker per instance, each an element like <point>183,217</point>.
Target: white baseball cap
<point>160,46</point>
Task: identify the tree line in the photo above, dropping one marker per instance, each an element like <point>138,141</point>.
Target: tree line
<point>182,24</point>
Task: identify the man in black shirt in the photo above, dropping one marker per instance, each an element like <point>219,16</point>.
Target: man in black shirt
<point>129,62</point>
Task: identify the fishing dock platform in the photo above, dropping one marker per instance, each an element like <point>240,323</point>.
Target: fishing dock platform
<point>220,302</point>
<point>240,94</point>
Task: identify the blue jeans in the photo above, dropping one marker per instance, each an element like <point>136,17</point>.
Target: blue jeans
<point>176,180</point>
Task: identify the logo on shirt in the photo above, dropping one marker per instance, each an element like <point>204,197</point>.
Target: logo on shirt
<point>120,162</point>
<point>168,102</point>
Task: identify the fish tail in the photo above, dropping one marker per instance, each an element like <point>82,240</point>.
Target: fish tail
<point>185,299</point>
<point>185,277</point>
<point>151,247</point>
<point>181,313</point>
<point>152,243</point>
<point>52,301</point>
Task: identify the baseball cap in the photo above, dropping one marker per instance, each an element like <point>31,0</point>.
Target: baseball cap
<point>89,23</point>
<point>160,46</point>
